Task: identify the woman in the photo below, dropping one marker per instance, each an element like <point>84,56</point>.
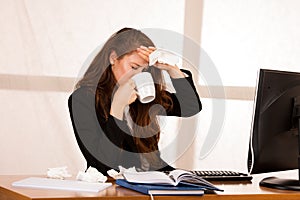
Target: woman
<point>111,126</point>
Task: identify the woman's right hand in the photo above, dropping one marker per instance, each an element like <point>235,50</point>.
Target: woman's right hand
<point>125,95</point>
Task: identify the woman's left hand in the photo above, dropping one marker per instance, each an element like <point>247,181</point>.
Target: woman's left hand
<point>173,70</point>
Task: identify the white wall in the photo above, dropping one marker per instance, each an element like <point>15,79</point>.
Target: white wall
<point>240,37</point>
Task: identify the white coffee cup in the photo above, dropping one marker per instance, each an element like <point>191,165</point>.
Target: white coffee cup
<point>144,86</point>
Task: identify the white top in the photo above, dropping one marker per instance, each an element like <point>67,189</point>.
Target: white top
<point>145,165</point>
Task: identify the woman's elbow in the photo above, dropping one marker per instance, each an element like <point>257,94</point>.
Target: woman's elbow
<point>192,110</point>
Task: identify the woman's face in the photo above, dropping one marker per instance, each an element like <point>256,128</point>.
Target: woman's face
<point>129,65</point>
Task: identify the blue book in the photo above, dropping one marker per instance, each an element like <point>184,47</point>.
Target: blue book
<point>154,189</point>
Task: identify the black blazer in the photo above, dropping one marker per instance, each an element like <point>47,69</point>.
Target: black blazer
<point>105,144</point>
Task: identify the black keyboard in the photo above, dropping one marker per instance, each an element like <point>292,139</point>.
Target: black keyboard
<point>216,175</point>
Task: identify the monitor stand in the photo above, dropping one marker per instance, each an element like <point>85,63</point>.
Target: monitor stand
<point>287,184</point>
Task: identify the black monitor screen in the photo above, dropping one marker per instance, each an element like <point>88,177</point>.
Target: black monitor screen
<point>274,137</point>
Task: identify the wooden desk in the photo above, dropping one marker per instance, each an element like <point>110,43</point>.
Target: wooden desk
<point>241,191</point>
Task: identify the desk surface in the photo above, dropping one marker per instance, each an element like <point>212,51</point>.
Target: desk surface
<point>232,190</point>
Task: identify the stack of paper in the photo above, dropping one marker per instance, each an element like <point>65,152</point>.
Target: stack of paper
<point>47,183</point>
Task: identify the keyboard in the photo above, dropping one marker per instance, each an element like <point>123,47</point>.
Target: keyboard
<point>216,175</point>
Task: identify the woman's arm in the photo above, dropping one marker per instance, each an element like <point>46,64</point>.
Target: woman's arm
<point>100,141</point>
<point>186,101</point>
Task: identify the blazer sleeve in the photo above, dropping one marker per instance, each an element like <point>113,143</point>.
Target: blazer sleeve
<point>100,140</point>
<point>186,101</point>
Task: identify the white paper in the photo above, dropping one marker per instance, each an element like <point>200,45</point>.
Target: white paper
<point>48,183</point>
<point>58,173</point>
<point>119,175</point>
<point>92,175</point>
<point>163,56</point>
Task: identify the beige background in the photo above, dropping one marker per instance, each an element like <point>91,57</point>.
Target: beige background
<point>45,43</point>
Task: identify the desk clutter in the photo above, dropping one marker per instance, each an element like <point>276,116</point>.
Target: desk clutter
<point>60,184</point>
<point>176,182</point>
<point>90,181</point>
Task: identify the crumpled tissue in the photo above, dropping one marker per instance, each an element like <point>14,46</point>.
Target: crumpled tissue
<point>58,173</point>
<point>119,175</point>
<point>91,175</point>
<point>163,56</point>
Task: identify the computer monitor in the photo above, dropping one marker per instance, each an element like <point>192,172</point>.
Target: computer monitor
<point>274,142</point>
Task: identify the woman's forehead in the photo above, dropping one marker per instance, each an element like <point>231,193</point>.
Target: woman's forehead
<point>134,57</point>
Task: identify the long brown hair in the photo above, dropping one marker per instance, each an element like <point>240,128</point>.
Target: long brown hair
<point>100,79</point>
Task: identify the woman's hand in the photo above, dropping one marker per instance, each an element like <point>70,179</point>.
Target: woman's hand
<point>173,70</point>
<point>125,95</point>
